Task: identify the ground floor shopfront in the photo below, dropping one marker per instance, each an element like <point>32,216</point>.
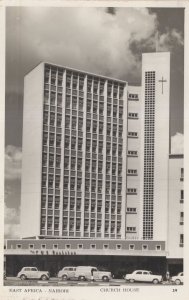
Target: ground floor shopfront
<point>118,265</point>
<point>118,256</point>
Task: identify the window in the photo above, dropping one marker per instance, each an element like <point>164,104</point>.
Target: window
<point>132,134</point>
<point>181,218</point>
<point>133,96</point>
<point>100,128</point>
<point>78,224</point>
<point>131,229</point>
<point>68,246</point>
<point>78,204</point>
<point>67,122</point>
<point>181,240</point>
<point>144,247</point>
<point>57,203</point>
<point>113,169</point>
<point>109,110</point>
<point>31,246</point>
<point>133,115</point>
<point>131,247</point>
<point>118,247</point>
<point>55,246</point>
<point>93,206</point>
<point>72,203</point>
<point>105,246</point>
<point>65,223</point>
<point>43,220</point>
<point>132,172</point>
<point>158,247</point>
<point>181,196</point>
<point>19,246</point>
<point>79,164</point>
<point>49,222</point>
<point>131,191</point>
<point>56,223</point>
<point>182,174</point>
<point>131,209</point>
<point>132,153</point>
<point>92,225</point>
<point>80,246</point>
<point>93,246</point>
<point>43,246</point>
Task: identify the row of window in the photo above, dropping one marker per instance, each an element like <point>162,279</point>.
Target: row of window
<point>93,188</point>
<point>92,246</point>
<point>76,80</point>
<point>149,154</point>
<point>133,96</point>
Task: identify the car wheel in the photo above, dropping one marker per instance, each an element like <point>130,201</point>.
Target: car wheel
<point>131,280</point>
<point>23,277</point>
<point>64,277</point>
<point>81,278</point>
<point>44,277</point>
<point>177,281</point>
<point>155,281</point>
<point>105,278</point>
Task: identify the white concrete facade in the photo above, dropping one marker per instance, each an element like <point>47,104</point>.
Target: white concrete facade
<point>155,144</point>
<point>175,242</point>
<point>133,161</point>
<point>32,153</point>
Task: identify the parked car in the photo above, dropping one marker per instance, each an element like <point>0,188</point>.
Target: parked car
<point>178,279</point>
<point>144,276</point>
<point>33,273</point>
<point>86,272</point>
<point>67,273</point>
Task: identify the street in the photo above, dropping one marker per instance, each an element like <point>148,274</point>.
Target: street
<point>14,281</point>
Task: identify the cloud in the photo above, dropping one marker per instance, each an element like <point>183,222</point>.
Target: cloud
<point>12,222</point>
<point>12,231</point>
<point>12,215</point>
<point>84,38</point>
<point>177,143</point>
<point>169,40</point>
<point>13,160</point>
<point>97,40</point>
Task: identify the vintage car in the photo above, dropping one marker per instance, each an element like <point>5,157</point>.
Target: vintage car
<point>143,276</point>
<point>178,279</point>
<point>82,273</point>
<point>33,273</point>
<point>87,273</point>
<point>67,273</point>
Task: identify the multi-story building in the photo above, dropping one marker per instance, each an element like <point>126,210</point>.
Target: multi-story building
<point>175,235</point>
<point>75,186</point>
<point>95,168</point>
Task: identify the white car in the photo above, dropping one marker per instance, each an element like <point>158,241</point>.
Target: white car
<point>87,273</point>
<point>67,273</point>
<point>32,273</point>
<point>144,276</point>
<point>178,279</point>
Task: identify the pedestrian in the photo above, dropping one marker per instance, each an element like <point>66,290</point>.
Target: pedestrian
<point>167,276</point>
<point>92,276</point>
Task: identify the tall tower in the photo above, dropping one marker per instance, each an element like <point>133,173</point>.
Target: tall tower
<point>74,154</point>
<point>154,144</point>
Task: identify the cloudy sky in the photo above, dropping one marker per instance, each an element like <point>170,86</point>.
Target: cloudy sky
<point>104,41</point>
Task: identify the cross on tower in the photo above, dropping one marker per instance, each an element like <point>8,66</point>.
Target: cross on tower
<point>162,81</point>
